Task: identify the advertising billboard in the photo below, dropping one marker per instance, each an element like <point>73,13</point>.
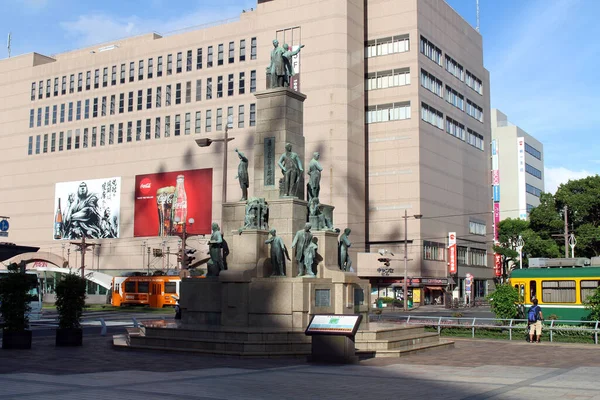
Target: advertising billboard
<point>452,253</point>
<point>87,207</point>
<point>496,220</point>
<point>164,200</point>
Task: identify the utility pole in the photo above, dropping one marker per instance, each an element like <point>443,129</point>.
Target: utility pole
<point>83,248</point>
<point>566,232</point>
<point>148,260</point>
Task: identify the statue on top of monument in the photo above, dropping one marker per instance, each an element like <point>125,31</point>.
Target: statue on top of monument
<point>242,175</point>
<point>288,53</point>
<point>276,68</point>
<point>292,170</point>
<point>314,180</point>
<point>278,253</point>
<point>301,242</point>
<point>345,262</point>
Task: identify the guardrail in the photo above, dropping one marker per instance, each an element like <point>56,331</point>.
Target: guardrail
<point>475,323</point>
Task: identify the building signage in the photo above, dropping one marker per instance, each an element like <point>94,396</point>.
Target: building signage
<point>269,161</point>
<point>495,155</point>
<point>496,220</point>
<point>495,177</point>
<point>452,253</point>
<point>4,225</point>
<point>295,82</point>
<point>434,281</point>
<point>385,271</point>
<point>521,178</point>
<point>496,192</point>
<point>497,264</point>
<point>165,200</point>
<point>87,207</point>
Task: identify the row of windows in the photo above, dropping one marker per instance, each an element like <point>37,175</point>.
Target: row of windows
<point>455,98</point>
<point>533,190</point>
<point>472,256</point>
<point>431,83</point>
<point>388,112</point>
<point>533,151</point>
<point>457,129</point>
<point>562,291</point>
<point>533,171</point>
<point>434,53</point>
<point>477,228</point>
<point>387,79</point>
<point>432,116</point>
<point>434,251</point>
<point>474,111</point>
<point>92,108</point>
<point>141,70</point>
<point>388,45</point>
<point>130,131</point>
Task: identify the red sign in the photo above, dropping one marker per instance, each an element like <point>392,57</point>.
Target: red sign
<point>497,264</point>
<point>495,177</point>
<point>164,200</point>
<point>452,253</point>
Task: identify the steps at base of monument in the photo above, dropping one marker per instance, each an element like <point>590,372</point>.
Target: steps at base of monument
<point>402,342</point>
<point>379,331</point>
<point>396,353</point>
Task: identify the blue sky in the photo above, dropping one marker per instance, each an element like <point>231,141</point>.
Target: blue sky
<point>542,55</point>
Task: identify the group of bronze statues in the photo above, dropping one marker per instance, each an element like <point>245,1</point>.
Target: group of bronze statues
<point>281,70</point>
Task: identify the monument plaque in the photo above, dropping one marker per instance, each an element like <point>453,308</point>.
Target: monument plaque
<point>269,161</point>
<point>333,324</point>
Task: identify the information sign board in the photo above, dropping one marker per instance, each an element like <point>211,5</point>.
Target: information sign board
<point>333,324</point>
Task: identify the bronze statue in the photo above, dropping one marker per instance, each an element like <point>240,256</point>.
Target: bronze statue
<point>278,253</point>
<point>301,242</point>
<point>316,216</point>
<point>291,167</point>
<point>257,214</point>
<point>310,254</point>
<point>215,244</point>
<point>276,68</point>
<point>287,55</point>
<point>345,262</point>
<point>242,175</point>
<point>314,180</point>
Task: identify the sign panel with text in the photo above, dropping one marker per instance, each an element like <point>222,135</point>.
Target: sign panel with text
<point>333,325</point>
<point>452,253</point>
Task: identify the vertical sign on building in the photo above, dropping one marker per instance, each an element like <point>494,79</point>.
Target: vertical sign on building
<point>496,203</point>
<point>452,253</point>
<point>295,83</point>
<point>521,178</point>
<point>269,161</point>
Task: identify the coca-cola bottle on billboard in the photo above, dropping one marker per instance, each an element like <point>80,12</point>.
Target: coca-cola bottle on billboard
<point>179,205</point>
<point>164,203</point>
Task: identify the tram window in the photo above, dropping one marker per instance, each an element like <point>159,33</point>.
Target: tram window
<point>522,292</point>
<point>588,288</point>
<point>558,291</point>
<point>130,287</point>
<point>532,290</point>
<point>143,287</point>
<point>170,287</point>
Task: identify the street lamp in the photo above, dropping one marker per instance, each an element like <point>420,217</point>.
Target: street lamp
<point>205,142</point>
<point>520,243</point>
<point>572,243</point>
<point>184,231</point>
<point>404,282</point>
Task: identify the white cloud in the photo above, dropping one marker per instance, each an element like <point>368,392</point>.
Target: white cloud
<point>555,176</point>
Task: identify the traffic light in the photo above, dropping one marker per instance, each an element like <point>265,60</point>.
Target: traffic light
<point>189,257</point>
<point>385,261</point>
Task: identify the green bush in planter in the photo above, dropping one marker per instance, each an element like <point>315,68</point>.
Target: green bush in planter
<point>70,301</point>
<point>15,297</point>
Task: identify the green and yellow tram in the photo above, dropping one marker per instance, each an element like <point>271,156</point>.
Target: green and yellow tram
<point>560,291</point>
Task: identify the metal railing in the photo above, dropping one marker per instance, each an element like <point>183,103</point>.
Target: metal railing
<point>475,323</point>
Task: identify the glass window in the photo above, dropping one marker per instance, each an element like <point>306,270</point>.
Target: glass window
<point>45,148</point>
<point>231,55</point>
<point>169,64</point>
<point>55,87</point>
<point>432,116</point>
<point>113,75</point>
<point>188,91</point>
<point>188,61</point>
<point>558,291</point>
<point>88,79</point>
<point>455,68</point>
<point>533,151</point>
<point>129,134</point>
<point>120,133</point>
<point>157,128</point>
<point>69,139</point>
<point>242,83</point>
<point>198,124</point>
<point>159,66</point>
<point>253,48</point>
<point>588,288</point>
<point>62,113</point>
<point>140,70</point>
<point>170,287</point>
<point>431,51</point>
<point>94,136</point>
<point>122,78</point>
<point>61,140</point>
<point>138,130</point>
<point>77,138</point>
<point>387,79</point>
<point>70,114</point>
<point>179,62</point>
<point>148,128</point>
<point>130,102</point>
<point>178,93</point>
<point>131,71</point>
<point>103,107</point>
<point>188,122</point>
<point>111,134</point>
<point>102,135</point>
<point>168,96</point>
<point>241,116</point>
<point>167,126</point>
<point>86,113</point>
<point>41,90</point>
<point>63,89</point>
<point>121,103</point>
<point>220,55</point>
<point>388,112</point>
<point>30,147</point>
<point>32,91</point>
<point>78,112</point>
<point>85,137</point>
<point>209,57</point>
<point>105,77</point>
<point>387,45</point>
<point>177,125</point>
<point>150,68</point>
<point>80,82</point>
<point>158,97</point>
<point>230,85</point>
<point>199,58</point>
<point>32,118</point>
<point>72,83</point>
<point>219,124</point>
<point>434,251</point>
<point>208,88</point>
<point>198,89</point>
<point>54,113</point>
<point>130,287</point>
<point>149,98</point>
<point>95,108</point>
<point>219,86</point>
<point>53,143</point>
<point>47,115</point>
<point>243,50</point>
<point>140,99</point>
<point>252,115</point>
<point>208,127</point>
<point>252,81</point>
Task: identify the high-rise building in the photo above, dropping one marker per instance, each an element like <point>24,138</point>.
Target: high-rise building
<point>520,168</point>
<point>397,105</point>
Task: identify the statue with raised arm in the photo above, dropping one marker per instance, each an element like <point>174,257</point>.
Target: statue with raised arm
<point>215,244</point>
<point>278,253</point>
<point>345,262</point>
<point>291,167</point>
<point>242,175</point>
<point>276,68</point>
<point>301,242</point>
<point>314,177</point>
<point>288,53</point>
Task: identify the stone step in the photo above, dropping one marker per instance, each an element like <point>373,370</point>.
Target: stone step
<point>398,343</point>
<point>208,334</point>
<point>379,332</point>
<point>442,344</point>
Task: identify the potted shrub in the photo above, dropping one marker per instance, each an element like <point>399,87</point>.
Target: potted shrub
<point>70,301</point>
<point>14,306</point>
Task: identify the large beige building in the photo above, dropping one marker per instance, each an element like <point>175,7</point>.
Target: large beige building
<point>397,105</point>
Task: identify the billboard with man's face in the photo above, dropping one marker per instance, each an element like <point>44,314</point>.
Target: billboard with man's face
<point>89,208</point>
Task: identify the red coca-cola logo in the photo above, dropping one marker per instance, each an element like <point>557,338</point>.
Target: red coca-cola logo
<point>145,186</point>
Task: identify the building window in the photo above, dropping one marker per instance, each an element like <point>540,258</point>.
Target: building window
<point>455,68</point>
<point>45,148</point>
<point>198,89</point>
<point>140,99</point>
<point>388,112</point>
<point>39,116</point>
<point>122,77</point>
<point>431,51</point>
<point>558,291</point>
<point>432,116</point>
<point>157,128</point>
<point>242,50</point>
<point>86,113</point>
<point>242,83</point>
<point>78,112</point>
<point>94,136</point>
<point>529,207</point>
<point>209,57</point>
<point>198,126</point>
<point>41,90</point>
<point>533,190</point>
<point>241,116</point>
<point>533,171</point>
<point>121,103</point>
<point>30,146</point>
<point>230,85</point>
<point>208,88</point>
<point>188,91</point>
<point>159,97</point>
<point>120,133</point>
<point>96,79</point>
<point>387,79</point>
<point>111,134</point>
<point>388,45</point>
<point>32,91</point>
<point>140,70</point>
<point>219,124</point>
<point>475,139</point>
<point>252,115</point>
<point>252,81</point>
<point>77,138</point>
<point>188,124</point>
<point>462,255</point>
<point>219,86</point>
<point>199,58</point>
<point>105,77</point>
<point>188,61</point>
<point>102,135</point>
<point>474,111</point>
<point>47,116</point>
<point>85,137</point>
<point>478,257</point>
<point>62,113</point>
<point>178,93</point>
<point>72,83</point>
<point>113,76</point>
<point>167,126</point>
<point>31,118</point>
<point>69,140</point>
<point>220,54</point>
<point>168,96</point>
<point>455,98</point>
<point>131,71</point>
<point>253,48</point>
<point>159,66</point>
<point>95,108</point>
<point>148,128</point>
<point>229,121</point>
<point>103,107</point>
<point>130,102</point>
<point>474,83</point>
<point>80,82</point>
<point>53,143</point>
<point>113,100</point>
<point>61,141</point>
<point>533,151</point>
<point>149,98</point>
<point>70,114</point>
<point>54,114</point>
<point>150,68</point>
<point>477,228</point>
<point>434,251</point>
<point>48,87</point>
<point>208,126</point>
<point>63,89</point>
<point>138,130</point>
<point>169,64</point>
<point>179,62</point>
<point>177,125</point>
<point>588,288</point>
<point>455,128</point>
<point>88,79</point>
<point>231,54</point>
<point>55,87</point>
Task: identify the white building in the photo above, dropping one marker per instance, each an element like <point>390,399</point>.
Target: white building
<point>520,168</point>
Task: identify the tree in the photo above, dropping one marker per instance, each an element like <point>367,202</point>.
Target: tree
<point>592,303</point>
<point>503,301</point>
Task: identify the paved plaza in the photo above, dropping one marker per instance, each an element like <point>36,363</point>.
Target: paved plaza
<point>474,369</point>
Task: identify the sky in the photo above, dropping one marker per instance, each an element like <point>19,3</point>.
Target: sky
<point>542,56</point>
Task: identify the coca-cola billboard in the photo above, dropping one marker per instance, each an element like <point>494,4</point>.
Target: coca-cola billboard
<point>164,200</point>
